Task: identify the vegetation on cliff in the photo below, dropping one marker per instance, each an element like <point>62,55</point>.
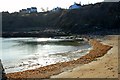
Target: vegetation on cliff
<point>92,18</point>
<point>89,19</point>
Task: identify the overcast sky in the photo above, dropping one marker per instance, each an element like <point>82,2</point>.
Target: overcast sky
<point>111,0</point>
<point>16,5</point>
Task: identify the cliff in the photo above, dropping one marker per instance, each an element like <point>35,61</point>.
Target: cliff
<point>93,18</point>
<point>99,18</point>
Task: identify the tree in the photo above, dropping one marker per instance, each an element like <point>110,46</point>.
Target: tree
<point>43,9</point>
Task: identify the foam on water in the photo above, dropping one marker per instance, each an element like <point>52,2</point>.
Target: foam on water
<point>17,56</point>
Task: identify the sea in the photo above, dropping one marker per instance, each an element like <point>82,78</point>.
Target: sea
<point>20,54</point>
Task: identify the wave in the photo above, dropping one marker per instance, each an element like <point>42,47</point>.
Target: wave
<point>36,61</point>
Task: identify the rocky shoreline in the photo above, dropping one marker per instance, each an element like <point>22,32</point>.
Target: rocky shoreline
<point>98,50</point>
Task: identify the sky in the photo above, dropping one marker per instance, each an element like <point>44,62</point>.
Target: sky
<point>16,5</point>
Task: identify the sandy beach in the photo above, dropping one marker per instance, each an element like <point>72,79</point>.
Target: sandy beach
<point>103,67</point>
<point>100,62</point>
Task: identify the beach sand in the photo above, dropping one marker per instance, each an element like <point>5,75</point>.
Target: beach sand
<point>105,66</point>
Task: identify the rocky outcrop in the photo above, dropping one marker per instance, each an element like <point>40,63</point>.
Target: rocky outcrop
<point>2,72</point>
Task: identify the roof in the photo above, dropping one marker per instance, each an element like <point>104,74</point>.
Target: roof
<point>28,8</point>
<point>75,4</point>
<point>23,9</point>
<point>33,8</point>
<point>78,4</point>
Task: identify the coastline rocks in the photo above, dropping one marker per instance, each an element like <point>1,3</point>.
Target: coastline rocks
<point>2,72</point>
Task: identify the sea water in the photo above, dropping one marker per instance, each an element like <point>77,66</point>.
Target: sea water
<point>19,54</point>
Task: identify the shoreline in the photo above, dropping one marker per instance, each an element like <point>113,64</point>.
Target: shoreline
<point>99,49</point>
<point>104,67</point>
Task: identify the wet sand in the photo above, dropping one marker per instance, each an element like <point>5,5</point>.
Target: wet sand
<point>103,67</point>
<point>78,68</point>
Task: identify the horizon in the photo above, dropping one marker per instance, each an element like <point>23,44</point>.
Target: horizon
<point>24,4</point>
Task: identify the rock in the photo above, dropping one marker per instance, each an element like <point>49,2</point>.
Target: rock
<point>2,72</point>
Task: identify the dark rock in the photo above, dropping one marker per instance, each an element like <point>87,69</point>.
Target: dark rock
<point>2,72</point>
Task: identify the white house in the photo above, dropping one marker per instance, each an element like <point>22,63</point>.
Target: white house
<point>23,11</point>
<point>29,10</point>
<point>75,6</point>
<point>33,9</point>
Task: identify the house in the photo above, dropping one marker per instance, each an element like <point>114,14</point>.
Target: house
<point>29,10</point>
<point>56,9</point>
<point>23,11</point>
<point>75,6</point>
<point>33,9</point>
